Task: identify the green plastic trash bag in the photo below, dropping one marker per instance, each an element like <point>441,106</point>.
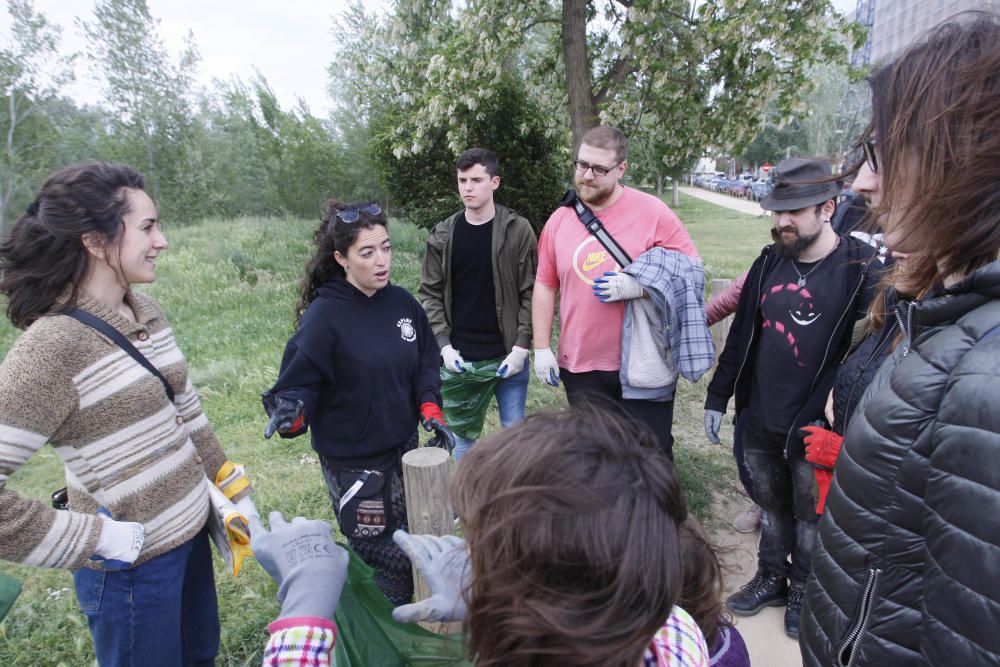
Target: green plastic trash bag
<point>9,590</point>
<point>467,396</point>
<point>368,637</point>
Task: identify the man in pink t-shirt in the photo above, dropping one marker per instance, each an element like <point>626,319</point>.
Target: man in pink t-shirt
<point>571,259</point>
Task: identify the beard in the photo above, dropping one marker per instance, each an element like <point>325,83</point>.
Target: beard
<point>789,244</point>
<point>594,193</point>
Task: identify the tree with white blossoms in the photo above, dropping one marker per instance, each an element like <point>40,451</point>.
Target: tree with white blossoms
<point>677,76</point>
<point>401,74</point>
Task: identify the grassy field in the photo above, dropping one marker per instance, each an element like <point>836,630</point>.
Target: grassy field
<point>228,288</point>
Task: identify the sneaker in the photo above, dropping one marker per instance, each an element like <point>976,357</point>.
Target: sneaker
<point>794,610</point>
<point>748,521</point>
<point>764,590</point>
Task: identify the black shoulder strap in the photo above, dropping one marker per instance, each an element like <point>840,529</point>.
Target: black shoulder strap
<point>97,323</point>
<point>594,226</point>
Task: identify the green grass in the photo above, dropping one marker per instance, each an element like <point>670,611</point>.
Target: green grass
<point>229,288</point>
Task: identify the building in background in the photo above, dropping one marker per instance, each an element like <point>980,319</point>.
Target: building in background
<point>895,24</point>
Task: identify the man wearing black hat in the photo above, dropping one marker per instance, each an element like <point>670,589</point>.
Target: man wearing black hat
<point>792,327</point>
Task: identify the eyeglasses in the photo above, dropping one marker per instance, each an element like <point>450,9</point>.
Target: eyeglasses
<point>352,214</point>
<point>868,146</point>
<point>599,171</point>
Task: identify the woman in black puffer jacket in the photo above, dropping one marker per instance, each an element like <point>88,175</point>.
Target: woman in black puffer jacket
<point>906,560</point>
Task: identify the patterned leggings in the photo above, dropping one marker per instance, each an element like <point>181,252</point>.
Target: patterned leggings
<point>393,573</point>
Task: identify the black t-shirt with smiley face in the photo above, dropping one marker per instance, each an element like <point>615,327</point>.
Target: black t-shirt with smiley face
<point>795,327</point>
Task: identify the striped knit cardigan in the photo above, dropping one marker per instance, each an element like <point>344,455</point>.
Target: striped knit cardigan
<point>124,444</point>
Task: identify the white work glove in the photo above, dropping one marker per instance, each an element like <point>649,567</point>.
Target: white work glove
<point>546,368</point>
<point>513,363</point>
<point>614,286</point>
<point>443,562</point>
<point>713,422</point>
<point>119,543</point>
<point>453,360</point>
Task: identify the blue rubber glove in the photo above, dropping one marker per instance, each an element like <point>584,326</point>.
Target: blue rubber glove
<point>513,363</point>
<point>452,359</point>
<point>546,367</point>
<point>615,286</point>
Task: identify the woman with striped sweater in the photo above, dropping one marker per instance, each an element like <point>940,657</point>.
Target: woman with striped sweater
<point>136,446</point>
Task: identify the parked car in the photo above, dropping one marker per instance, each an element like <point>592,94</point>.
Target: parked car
<point>739,188</point>
<point>759,189</point>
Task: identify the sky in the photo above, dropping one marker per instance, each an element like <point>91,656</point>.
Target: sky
<point>289,41</point>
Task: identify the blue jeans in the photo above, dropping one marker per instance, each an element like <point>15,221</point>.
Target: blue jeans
<point>162,612</point>
<point>511,394</point>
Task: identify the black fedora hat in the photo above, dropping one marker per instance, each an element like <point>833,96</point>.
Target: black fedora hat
<point>798,183</point>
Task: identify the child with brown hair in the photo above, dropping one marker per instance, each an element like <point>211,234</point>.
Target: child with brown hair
<point>701,596</point>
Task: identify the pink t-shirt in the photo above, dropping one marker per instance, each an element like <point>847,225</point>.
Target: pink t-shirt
<point>570,258</point>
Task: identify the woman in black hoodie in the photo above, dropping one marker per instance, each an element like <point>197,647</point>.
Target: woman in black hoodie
<point>360,371</point>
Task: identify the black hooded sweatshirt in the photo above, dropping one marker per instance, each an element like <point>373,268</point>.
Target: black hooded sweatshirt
<point>361,366</point>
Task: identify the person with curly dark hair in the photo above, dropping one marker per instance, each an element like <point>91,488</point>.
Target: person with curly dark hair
<point>139,453</point>
<point>360,371</point>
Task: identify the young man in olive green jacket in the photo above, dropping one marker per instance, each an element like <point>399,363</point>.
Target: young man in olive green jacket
<point>476,284</point>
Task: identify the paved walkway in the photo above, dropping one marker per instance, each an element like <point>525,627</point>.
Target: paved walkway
<point>741,205</point>
<point>764,633</point>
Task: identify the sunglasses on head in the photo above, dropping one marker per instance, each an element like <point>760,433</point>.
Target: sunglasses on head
<point>352,214</point>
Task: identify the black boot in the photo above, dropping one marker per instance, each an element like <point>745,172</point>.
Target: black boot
<point>794,610</point>
<point>764,590</point>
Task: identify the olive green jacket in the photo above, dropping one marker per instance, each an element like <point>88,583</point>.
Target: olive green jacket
<point>514,257</point>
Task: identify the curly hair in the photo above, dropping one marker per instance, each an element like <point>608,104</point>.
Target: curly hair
<point>564,513</point>
<point>333,234</point>
<point>44,260</point>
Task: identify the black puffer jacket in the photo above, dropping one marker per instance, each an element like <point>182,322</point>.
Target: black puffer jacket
<point>860,366</point>
<point>906,569</point>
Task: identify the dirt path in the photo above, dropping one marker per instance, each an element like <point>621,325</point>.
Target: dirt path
<point>764,633</point>
<point>741,205</point>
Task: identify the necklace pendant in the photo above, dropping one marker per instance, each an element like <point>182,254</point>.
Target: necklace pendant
<point>802,281</point>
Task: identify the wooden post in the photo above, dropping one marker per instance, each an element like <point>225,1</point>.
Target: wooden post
<point>720,330</point>
<point>426,479</point>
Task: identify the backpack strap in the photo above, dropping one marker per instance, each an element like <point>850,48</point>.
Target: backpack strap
<point>595,227</point>
<point>100,325</point>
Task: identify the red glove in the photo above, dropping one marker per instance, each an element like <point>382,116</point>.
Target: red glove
<point>823,479</point>
<point>429,411</point>
<point>822,446</point>
<point>433,420</point>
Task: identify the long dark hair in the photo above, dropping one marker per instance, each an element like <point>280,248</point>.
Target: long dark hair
<point>333,234</point>
<point>936,120</point>
<point>564,513</point>
<point>44,256</point>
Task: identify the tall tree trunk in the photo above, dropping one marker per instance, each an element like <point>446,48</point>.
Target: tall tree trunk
<point>659,185</point>
<point>676,201</point>
<point>582,110</point>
